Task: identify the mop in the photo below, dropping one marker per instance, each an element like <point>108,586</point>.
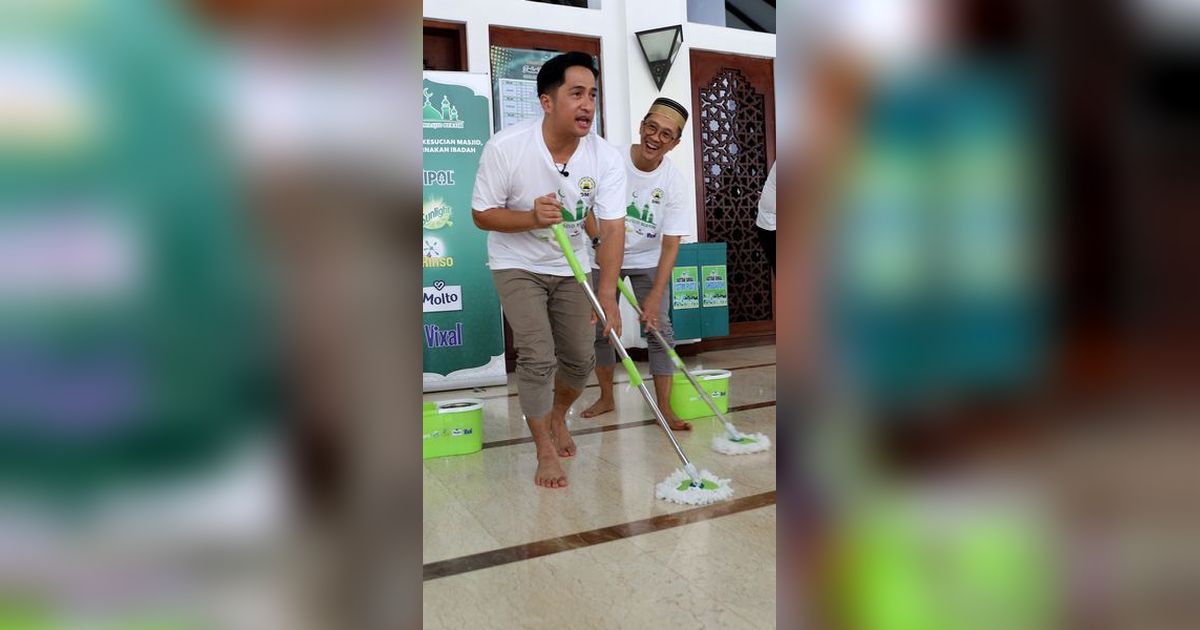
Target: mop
<point>688,485</point>
<point>732,441</point>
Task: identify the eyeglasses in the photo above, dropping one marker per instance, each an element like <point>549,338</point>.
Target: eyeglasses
<point>653,130</point>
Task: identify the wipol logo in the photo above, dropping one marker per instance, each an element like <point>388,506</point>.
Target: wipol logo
<point>437,178</point>
<point>441,297</point>
<point>436,337</point>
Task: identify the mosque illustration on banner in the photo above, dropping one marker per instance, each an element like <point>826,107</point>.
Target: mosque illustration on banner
<point>445,116</point>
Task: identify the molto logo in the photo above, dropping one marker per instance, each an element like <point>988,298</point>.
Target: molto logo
<point>437,337</point>
<point>433,254</point>
<point>441,297</point>
<point>438,178</point>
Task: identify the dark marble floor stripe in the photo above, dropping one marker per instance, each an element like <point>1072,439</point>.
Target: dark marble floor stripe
<point>528,551</point>
<point>626,381</point>
<point>618,426</point>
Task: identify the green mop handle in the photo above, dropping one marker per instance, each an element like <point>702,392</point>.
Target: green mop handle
<point>634,303</point>
<point>678,361</point>
<point>564,243</point>
<point>635,379</point>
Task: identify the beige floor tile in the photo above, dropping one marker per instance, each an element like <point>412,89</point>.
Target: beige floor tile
<point>496,486</point>
<point>731,558</point>
<point>518,595</point>
<point>449,529</point>
<point>612,585</point>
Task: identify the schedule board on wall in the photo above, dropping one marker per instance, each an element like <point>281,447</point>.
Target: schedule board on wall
<point>514,85</point>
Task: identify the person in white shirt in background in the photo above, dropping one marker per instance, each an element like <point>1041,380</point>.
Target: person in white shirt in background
<point>764,225</point>
<point>656,219</point>
<point>532,176</point>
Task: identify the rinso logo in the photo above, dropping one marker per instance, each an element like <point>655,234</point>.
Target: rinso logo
<point>433,254</point>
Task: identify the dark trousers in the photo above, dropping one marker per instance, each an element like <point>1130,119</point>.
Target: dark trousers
<point>767,239</point>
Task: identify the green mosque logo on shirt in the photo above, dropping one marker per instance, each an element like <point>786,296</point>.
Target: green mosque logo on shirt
<point>572,220</point>
<point>642,221</point>
<point>578,215</point>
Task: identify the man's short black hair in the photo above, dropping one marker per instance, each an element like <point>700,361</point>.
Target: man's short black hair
<point>554,71</point>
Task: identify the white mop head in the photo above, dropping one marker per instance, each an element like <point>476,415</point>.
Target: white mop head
<point>751,443</point>
<point>668,489</point>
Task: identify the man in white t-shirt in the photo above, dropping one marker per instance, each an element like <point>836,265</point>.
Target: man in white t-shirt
<point>764,224</point>
<point>531,176</point>
<point>656,218</point>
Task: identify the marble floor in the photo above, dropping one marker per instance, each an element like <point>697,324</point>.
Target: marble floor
<point>500,552</point>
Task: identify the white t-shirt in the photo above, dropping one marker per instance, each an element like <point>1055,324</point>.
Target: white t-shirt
<point>516,168</point>
<point>657,205</point>
<point>766,203</point>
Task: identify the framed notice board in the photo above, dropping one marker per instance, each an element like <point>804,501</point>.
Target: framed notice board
<point>515,57</point>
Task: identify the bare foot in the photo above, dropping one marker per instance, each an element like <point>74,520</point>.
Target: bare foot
<point>562,437</point>
<point>675,423</point>
<point>602,406</point>
<point>549,472</point>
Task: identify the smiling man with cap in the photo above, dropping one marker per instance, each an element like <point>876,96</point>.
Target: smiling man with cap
<point>656,218</point>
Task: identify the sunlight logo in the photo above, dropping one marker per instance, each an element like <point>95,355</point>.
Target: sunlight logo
<point>435,214</point>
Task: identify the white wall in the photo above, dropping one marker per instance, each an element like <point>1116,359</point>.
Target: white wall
<point>627,84</point>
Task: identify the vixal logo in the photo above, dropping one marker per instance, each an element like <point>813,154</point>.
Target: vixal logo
<point>441,298</point>
<point>435,337</point>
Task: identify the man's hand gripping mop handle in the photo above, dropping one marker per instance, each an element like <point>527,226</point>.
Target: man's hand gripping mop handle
<point>564,243</point>
<point>729,428</point>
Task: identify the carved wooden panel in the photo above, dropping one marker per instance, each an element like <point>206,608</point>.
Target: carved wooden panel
<point>731,125</point>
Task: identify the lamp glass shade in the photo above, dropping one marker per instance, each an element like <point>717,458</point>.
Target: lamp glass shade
<point>658,45</point>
